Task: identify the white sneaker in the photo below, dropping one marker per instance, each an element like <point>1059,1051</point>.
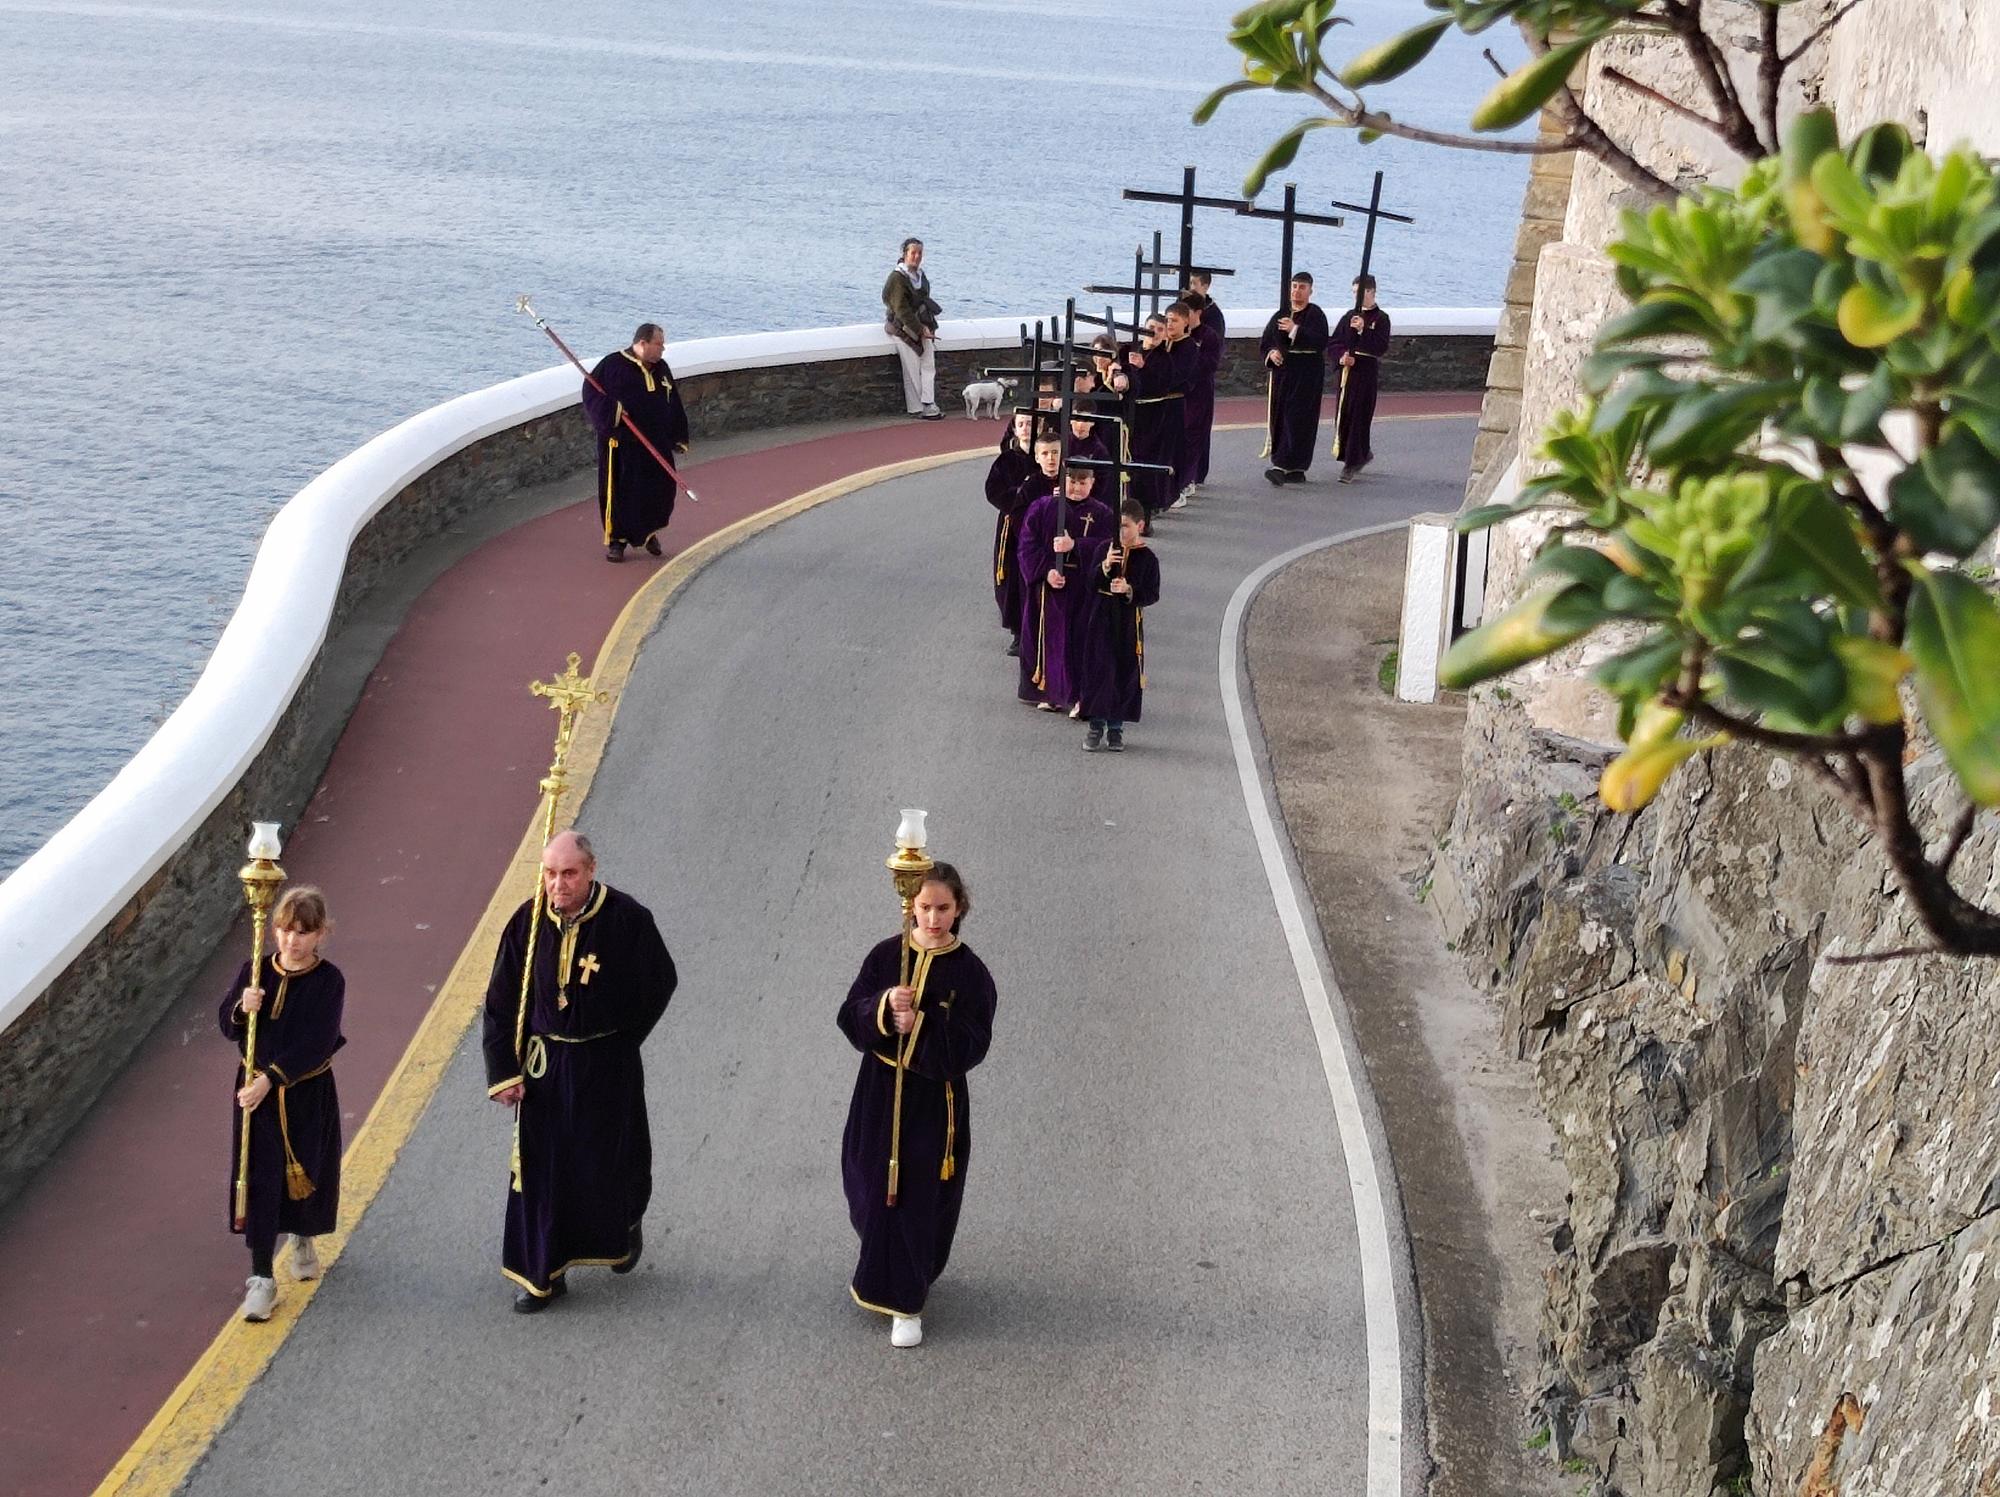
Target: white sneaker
<point>305,1258</point>
<point>1182,501</point>
<point>904,1330</point>
<point>262,1297</point>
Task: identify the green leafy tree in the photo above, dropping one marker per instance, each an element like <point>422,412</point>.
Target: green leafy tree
<point>1837,305</point>
<point>1284,47</point>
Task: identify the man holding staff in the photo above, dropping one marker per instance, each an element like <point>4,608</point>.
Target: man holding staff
<point>1294,345</point>
<point>562,1050</point>
<point>1357,349</point>
<point>635,493</point>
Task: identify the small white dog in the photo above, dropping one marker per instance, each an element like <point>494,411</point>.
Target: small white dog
<point>992,393</point>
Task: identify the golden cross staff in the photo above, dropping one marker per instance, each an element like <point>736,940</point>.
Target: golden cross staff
<point>907,866</point>
<point>568,695</point>
<point>260,877</point>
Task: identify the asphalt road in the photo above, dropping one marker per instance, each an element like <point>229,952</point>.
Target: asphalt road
<point>1155,1286</point>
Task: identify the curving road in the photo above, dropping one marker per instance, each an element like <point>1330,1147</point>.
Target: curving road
<point>1156,1287</point>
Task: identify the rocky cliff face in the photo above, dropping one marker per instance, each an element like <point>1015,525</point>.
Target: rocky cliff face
<point>1784,1171</point>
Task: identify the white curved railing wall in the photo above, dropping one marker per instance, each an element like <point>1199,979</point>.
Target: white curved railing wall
<point>56,901</point>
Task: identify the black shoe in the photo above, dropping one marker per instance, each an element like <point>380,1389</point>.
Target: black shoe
<point>633,1249</point>
<point>652,545</point>
<point>1276,475</point>
<point>1114,741</point>
<point>615,551</point>
<point>1296,475</point>
<point>1094,739</point>
<point>526,1303</point>
<point>1014,647</point>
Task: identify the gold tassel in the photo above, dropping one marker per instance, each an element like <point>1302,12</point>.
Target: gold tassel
<point>950,1165</point>
<point>298,1185</point>
<point>1270,402</point>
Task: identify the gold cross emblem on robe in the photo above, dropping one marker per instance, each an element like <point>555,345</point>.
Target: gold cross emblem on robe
<point>587,966</point>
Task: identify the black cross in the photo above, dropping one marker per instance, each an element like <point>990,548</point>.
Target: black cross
<point>1188,202</point>
<point>1374,210</point>
<point>1290,216</point>
<point>1040,365</point>
<point>1110,323</point>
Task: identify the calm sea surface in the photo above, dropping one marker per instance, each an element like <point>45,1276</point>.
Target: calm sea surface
<point>239,239</point>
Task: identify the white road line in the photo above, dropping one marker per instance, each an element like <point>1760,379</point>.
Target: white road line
<point>1319,990</point>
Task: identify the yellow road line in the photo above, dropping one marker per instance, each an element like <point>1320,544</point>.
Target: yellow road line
<point>176,1437</point>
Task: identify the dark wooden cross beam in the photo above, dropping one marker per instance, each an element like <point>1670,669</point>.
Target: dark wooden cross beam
<point>1117,465</point>
<point>1374,211</point>
<point>1041,363</point>
<point>1188,201</point>
<point>1110,323</point>
<point>1290,216</point>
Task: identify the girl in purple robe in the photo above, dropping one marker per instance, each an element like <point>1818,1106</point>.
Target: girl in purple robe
<point>289,1105</point>
<point>928,1000</point>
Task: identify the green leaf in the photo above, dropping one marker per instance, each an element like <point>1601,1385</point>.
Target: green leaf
<point>1528,88</point>
<point>1205,111</point>
<point>1530,629</point>
<point>1954,636</point>
<point>1812,535</point>
<point>1949,499</point>
<point>1872,318</point>
<point>1861,415</point>
<point>1805,690</point>
<point>1284,151</point>
<point>1584,565</point>
<point>1396,56</point>
<point>1713,423</point>
<point>1781,284</point>
<point>1641,671</point>
<point>1650,319</point>
<point>1485,516</point>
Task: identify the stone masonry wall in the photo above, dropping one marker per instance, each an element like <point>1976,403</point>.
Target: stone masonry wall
<point>1777,1274</point>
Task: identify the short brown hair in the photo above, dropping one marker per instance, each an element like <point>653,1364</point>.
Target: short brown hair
<point>1131,509</point>
<point>301,907</point>
<point>949,876</point>
<point>647,332</point>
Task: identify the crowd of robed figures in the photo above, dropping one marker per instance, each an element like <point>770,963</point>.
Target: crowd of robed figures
<point>582,975</point>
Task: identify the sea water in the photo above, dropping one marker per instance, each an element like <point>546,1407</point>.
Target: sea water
<point>240,237</point>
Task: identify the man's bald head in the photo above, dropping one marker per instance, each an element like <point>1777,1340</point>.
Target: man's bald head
<point>569,867</point>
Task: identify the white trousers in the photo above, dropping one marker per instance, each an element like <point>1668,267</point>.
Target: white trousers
<point>919,375</point>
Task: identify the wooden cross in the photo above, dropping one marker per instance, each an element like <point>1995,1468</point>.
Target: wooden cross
<point>1290,216</point>
<point>1187,201</point>
<point>1374,210</point>
<point>587,966</point>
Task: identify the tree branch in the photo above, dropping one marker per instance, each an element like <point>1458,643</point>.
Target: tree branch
<point>1361,118</point>
<point>1961,830</point>
<point>1770,73</point>
<point>1672,106</point>
<point>1684,18</point>
<point>1804,744</point>
<point>1498,66</point>
<point>1954,922</point>
<point>1592,139</point>
<point>1819,31</point>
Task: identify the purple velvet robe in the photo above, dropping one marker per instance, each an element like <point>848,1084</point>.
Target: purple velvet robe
<point>1049,615</point>
<point>1159,422</point>
<point>1358,384</point>
<point>905,1247</point>
<point>298,1124</point>
<point>1007,491</point>
<point>635,497</point>
<point>601,982</point>
<point>1198,410</point>
<point>1111,652</point>
<point>1295,386</point>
